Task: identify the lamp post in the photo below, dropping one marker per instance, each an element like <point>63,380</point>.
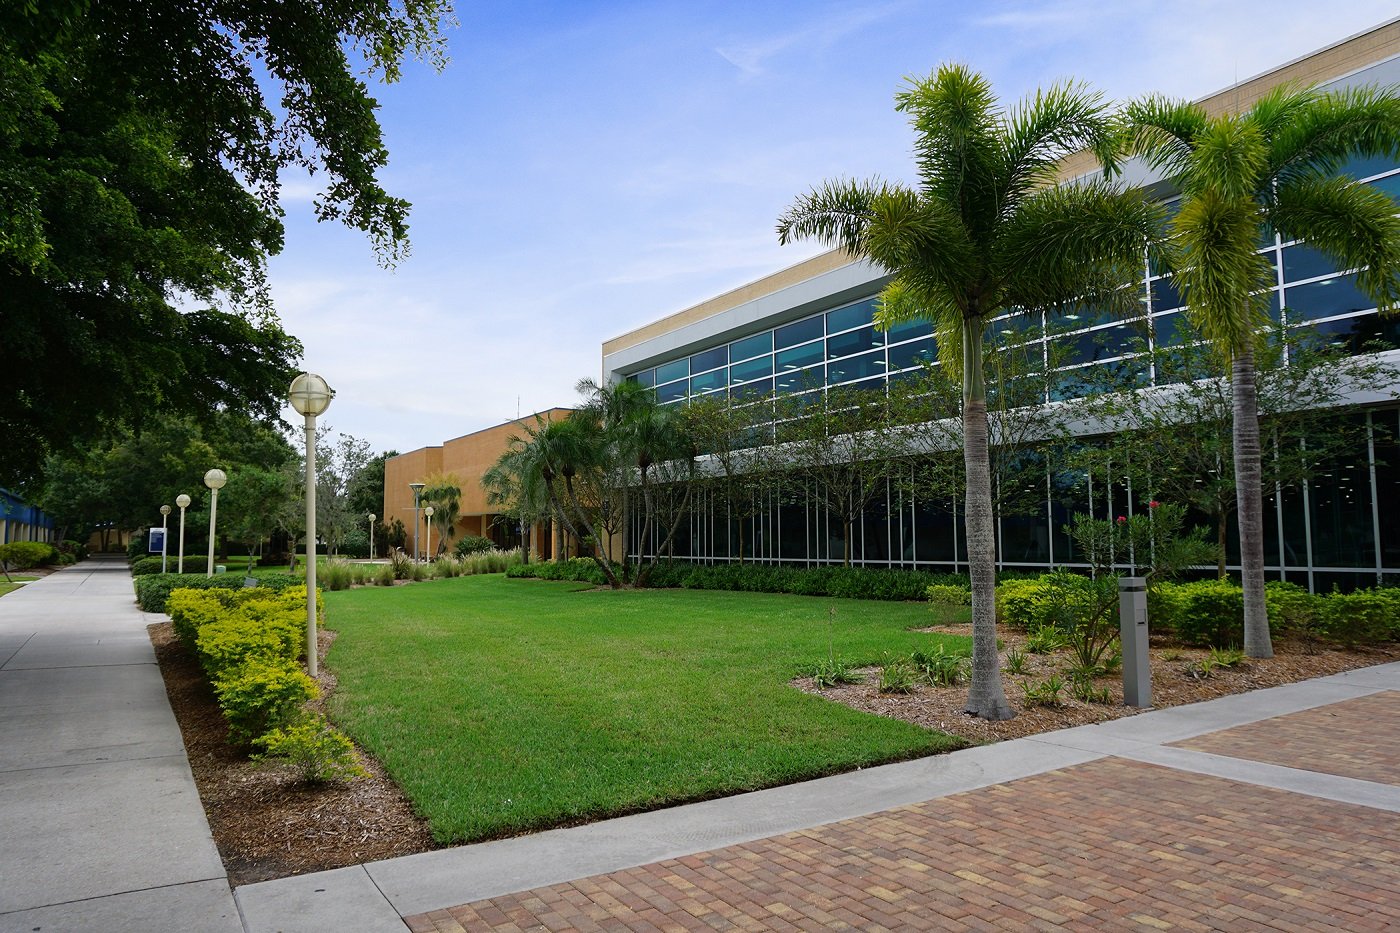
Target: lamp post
<point>215,480</point>
<point>164,530</point>
<point>428,528</point>
<point>310,396</point>
<point>417,488</point>
<point>182,501</point>
<point>372,517</point>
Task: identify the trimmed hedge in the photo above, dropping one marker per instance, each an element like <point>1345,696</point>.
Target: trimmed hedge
<point>21,555</point>
<point>145,566</point>
<point>837,581</point>
<point>153,590</point>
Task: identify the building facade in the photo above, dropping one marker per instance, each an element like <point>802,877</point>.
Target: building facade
<point>809,327</point>
<point>20,521</point>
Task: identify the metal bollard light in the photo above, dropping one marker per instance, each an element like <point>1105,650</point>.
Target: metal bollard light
<point>1132,629</point>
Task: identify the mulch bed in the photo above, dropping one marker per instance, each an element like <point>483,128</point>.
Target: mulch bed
<point>266,821</point>
<point>1174,682</point>
<point>268,824</point>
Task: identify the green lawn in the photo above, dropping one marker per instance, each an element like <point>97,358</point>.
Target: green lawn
<point>502,706</point>
<point>18,580</point>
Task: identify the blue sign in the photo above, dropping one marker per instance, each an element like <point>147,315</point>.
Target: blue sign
<point>155,541</point>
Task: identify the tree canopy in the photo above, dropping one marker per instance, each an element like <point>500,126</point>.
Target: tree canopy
<point>141,151</point>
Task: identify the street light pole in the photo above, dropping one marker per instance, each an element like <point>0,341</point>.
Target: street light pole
<point>182,501</point>
<point>164,532</point>
<point>428,527</point>
<point>372,517</point>
<point>417,488</point>
<point>215,480</point>
<point>310,396</point>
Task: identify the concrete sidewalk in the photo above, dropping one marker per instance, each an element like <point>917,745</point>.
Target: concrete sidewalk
<point>1275,809</point>
<point>101,823</point>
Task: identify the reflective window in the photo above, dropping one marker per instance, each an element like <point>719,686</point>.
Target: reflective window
<point>751,346</point>
<point>752,389</point>
<point>1389,184</point>
<point>798,357</point>
<point>709,359</point>
<point>672,391</point>
<point>794,380</point>
<point>912,353</point>
<point>1304,262</point>
<point>715,379</point>
<point>793,334</point>
<point>1366,166</point>
<point>1164,329</point>
<point>1364,333</point>
<point>909,329</point>
<point>751,369</point>
<point>647,378</point>
<point>862,312</point>
<point>1337,295</point>
<point>677,370</point>
<point>856,367</point>
<point>856,341</point>
<point>1165,295</point>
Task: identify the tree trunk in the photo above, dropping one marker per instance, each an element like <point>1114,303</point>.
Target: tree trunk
<point>1250,509</point>
<point>646,526</point>
<point>985,697</point>
<point>1222,526</point>
<point>601,560</point>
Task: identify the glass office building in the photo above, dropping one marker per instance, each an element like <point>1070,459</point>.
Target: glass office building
<point>810,327</point>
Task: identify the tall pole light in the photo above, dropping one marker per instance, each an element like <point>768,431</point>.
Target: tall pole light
<point>428,527</point>
<point>372,517</point>
<point>417,488</point>
<point>310,396</point>
<point>183,502</point>
<point>215,480</point>
<point>164,532</point>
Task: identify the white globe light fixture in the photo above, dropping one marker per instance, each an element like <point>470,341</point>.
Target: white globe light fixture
<point>183,502</point>
<point>310,396</point>
<point>164,530</point>
<point>428,527</point>
<point>215,480</point>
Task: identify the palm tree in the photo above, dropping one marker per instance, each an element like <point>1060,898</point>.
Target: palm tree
<point>443,491</point>
<point>985,232</point>
<point>1242,177</point>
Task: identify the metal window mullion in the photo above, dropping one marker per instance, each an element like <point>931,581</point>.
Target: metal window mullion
<point>1375,494</point>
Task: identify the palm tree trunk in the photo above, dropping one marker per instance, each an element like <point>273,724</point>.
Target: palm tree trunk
<point>1250,508</point>
<point>1222,524</point>
<point>985,697</point>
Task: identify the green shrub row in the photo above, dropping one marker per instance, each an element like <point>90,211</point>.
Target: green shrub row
<point>473,544</point>
<point>249,642</point>
<point>1210,613</point>
<point>143,566</point>
<point>153,590</point>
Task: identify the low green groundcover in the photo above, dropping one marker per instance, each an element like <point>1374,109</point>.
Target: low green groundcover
<point>504,705</point>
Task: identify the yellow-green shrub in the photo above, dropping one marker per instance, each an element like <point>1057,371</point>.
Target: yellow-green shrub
<point>316,748</point>
<point>261,695</point>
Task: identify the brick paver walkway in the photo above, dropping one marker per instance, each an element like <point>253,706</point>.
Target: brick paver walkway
<point>1350,739</point>
<point>1112,844</point>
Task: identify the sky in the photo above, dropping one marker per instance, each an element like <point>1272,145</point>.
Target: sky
<point>582,168</point>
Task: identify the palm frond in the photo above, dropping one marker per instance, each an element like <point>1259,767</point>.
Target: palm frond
<point>955,120</point>
<point>1354,224</point>
<point>1076,244</point>
<point>902,300</point>
<point>1161,131</point>
<point>1231,157</point>
<point>1222,279</point>
<point>906,230</point>
<point>836,214</point>
<point>1043,129</point>
<point>1335,126</point>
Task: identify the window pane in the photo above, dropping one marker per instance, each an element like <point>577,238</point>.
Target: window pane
<point>716,379</point>
<point>1165,295</point>
<point>752,389</point>
<point>1164,329</point>
<point>1341,515</point>
<point>856,367</point>
<point>751,346</point>
<point>677,370</point>
<point>1366,166</point>
<point>910,354</point>
<point>751,369</point>
<point>647,378</point>
<point>1323,299</point>
<point>861,312</point>
<point>793,380</point>
<point>1389,184</point>
<point>1304,262</point>
<point>798,357</point>
<point>910,329</point>
<point>709,359</point>
<point>671,391</point>
<point>856,341</point>
<point>1360,334</point>
<point>800,332</point>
